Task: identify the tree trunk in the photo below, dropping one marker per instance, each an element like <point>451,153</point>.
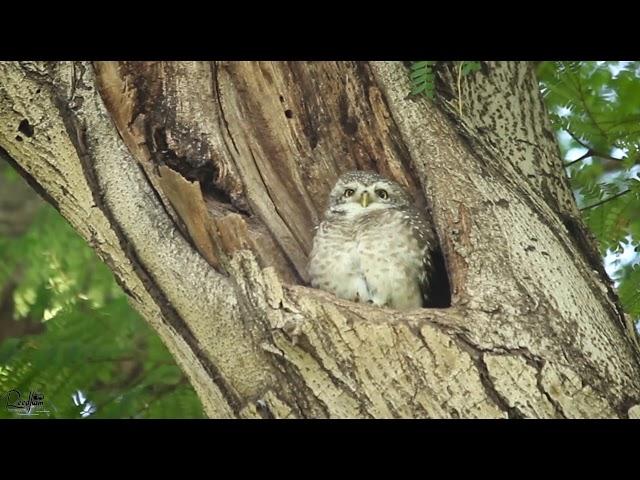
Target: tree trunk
<point>199,184</point>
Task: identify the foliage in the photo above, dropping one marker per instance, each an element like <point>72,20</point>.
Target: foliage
<point>97,358</point>
<point>423,78</point>
<point>469,67</point>
<point>595,110</point>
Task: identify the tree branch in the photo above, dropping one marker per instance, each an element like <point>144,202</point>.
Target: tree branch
<point>588,154</point>
<point>612,197</point>
<point>590,151</point>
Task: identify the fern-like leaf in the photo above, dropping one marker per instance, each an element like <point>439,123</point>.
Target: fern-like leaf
<point>470,67</point>
<point>422,78</point>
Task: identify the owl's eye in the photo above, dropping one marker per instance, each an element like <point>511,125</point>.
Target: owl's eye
<point>348,192</point>
<point>382,194</point>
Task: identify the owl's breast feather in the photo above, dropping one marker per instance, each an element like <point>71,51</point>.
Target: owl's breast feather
<point>375,257</point>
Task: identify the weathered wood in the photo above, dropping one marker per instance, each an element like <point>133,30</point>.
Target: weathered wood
<point>200,185</point>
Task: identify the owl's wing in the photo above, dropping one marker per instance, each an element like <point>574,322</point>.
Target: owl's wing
<point>434,280</point>
<point>425,277</point>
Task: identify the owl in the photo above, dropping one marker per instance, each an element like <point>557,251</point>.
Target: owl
<point>373,244</point>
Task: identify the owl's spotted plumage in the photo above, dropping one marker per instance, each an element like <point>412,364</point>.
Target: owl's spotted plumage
<point>373,245</point>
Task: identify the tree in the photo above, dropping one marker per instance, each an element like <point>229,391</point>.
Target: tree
<point>199,186</point>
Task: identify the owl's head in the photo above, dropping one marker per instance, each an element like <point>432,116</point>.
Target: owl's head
<point>359,192</point>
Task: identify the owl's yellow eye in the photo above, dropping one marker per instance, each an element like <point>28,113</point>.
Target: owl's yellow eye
<point>348,192</point>
<point>382,194</point>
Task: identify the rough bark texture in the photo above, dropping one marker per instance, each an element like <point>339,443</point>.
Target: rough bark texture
<point>199,184</point>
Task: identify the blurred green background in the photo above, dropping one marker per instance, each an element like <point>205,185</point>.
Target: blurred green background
<point>67,331</point>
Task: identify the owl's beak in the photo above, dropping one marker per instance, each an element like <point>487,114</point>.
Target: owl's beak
<point>364,199</point>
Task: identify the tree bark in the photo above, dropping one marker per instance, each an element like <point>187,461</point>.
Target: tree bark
<point>200,184</point>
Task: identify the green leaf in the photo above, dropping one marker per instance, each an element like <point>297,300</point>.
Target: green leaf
<point>422,78</point>
<point>470,67</point>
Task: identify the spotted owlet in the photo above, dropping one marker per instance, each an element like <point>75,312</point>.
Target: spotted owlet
<point>373,245</point>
